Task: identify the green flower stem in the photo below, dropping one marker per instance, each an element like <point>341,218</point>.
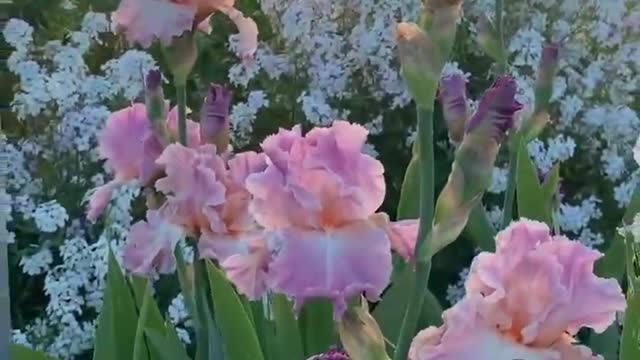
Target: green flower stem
<point>509,196</point>
<point>186,285</point>
<point>181,90</point>
<point>423,266</point>
<point>502,63</point>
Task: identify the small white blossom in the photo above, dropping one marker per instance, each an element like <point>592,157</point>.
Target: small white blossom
<point>37,263</point>
<point>498,180</point>
<point>18,33</point>
<point>456,292</point>
<point>50,216</point>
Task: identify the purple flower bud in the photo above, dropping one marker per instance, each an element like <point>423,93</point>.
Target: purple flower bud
<point>496,111</point>
<point>453,95</point>
<point>214,116</point>
<point>546,72</point>
<point>333,354</point>
<point>153,80</point>
<point>155,104</point>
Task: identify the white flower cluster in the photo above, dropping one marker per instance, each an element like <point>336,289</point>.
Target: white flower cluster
<point>243,115</point>
<point>50,216</point>
<point>179,317</point>
<point>456,292</point>
<point>329,51</point>
<point>55,81</point>
<point>60,96</point>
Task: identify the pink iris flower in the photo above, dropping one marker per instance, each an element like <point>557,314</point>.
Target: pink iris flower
<point>317,200</point>
<point>525,301</point>
<point>143,21</point>
<point>130,146</point>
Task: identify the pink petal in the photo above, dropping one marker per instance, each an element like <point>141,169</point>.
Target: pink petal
<point>193,128</point>
<point>144,21</point>
<point>464,336</point>
<point>121,140</point>
<point>522,236</point>
<point>243,257</point>
<point>538,287</point>
<point>273,204</point>
<point>337,263</point>
<point>150,245</point>
<point>593,301</point>
<point>100,199</point>
<point>403,235</point>
<point>317,181</point>
<point>244,164</point>
<point>205,25</point>
<point>247,33</point>
<point>338,150</point>
<point>149,170</point>
<point>193,184</point>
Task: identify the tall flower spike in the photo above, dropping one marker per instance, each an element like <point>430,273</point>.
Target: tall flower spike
<point>533,125</point>
<point>488,38</point>
<point>421,62</point>
<point>214,117</point>
<point>473,165</point>
<point>496,111</point>
<point>440,19</point>
<point>155,103</point>
<point>453,95</point>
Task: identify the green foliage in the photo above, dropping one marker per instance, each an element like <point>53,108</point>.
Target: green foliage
<point>19,352</point>
<point>287,330</point>
<point>116,332</point>
<point>316,326</point>
<point>238,333</point>
<point>388,312</point>
<point>535,199</point>
<point>150,318</point>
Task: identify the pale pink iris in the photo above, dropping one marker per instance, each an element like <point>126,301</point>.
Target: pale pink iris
<point>316,200</point>
<point>143,21</point>
<point>130,146</point>
<point>525,301</point>
<point>206,196</point>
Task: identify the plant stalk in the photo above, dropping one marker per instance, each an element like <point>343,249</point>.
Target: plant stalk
<point>502,63</point>
<point>510,192</point>
<point>423,266</point>
<point>181,94</point>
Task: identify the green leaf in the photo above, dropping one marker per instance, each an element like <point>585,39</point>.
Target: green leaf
<point>535,200</point>
<point>480,230</point>
<point>630,345</point>
<point>409,204</point>
<point>265,329</point>
<point>239,336</point>
<point>208,337</point>
<point>316,326</point>
<point>611,264</point>
<point>287,330</point>
<point>166,345</point>
<point>607,343</point>
<point>388,312</point>
<point>19,352</point>
<point>115,336</point>
<point>149,318</point>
